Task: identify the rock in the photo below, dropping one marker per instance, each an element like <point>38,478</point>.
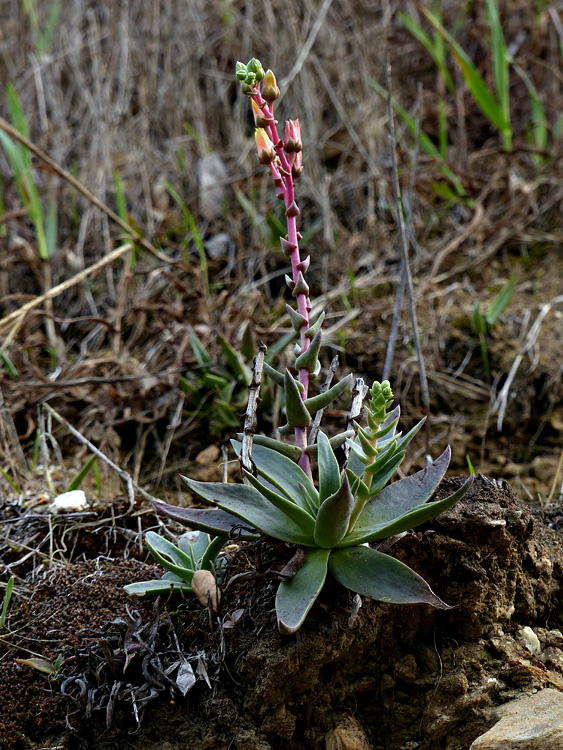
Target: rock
<point>530,640</point>
<point>348,735</point>
<point>534,722</point>
<point>69,502</point>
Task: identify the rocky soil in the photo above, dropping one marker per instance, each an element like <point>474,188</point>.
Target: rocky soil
<point>372,676</point>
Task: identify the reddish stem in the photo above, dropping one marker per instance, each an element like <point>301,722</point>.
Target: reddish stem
<point>283,179</point>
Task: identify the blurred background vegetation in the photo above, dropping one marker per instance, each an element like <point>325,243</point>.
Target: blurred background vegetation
<point>138,102</point>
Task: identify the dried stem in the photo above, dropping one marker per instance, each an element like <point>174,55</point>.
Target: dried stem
<point>250,422</point>
<point>404,239</point>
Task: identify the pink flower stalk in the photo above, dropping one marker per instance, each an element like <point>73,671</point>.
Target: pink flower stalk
<point>284,158</point>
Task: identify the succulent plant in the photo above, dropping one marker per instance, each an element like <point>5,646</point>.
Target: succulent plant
<point>195,553</point>
<point>298,492</point>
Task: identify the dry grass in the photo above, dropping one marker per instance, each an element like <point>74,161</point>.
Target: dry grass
<point>148,89</point>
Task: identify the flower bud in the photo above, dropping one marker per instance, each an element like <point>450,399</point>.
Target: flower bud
<point>264,146</point>
<point>292,143</point>
<point>255,66</point>
<point>240,71</point>
<point>270,92</point>
<point>259,119</point>
<point>297,166</point>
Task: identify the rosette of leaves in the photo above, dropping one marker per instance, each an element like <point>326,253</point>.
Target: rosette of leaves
<point>195,551</point>
<point>336,519</point>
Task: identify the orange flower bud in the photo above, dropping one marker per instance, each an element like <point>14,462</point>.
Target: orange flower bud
<point>264,146</point>
<point>292,143</point>
<point>260,120</point>
<point>270,92</point>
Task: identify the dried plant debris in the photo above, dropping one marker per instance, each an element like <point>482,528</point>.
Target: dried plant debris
<point>120,669</point>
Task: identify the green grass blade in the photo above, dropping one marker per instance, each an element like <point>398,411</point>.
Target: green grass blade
<point>17,115</point>
<point>475,83</point>
<point>190,221</point>
<point>426,143</point>
<point>9,479</point>
<point>79,478</point>
<point>501,301</point>
<point>500,60</point>
<point>8,365</point>
<point>539,118</point>
<point>434,47</point>
<point>7,597</point>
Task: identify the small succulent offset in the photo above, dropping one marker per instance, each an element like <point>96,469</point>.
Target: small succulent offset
<point>190,566</point>
<point>298,492</point>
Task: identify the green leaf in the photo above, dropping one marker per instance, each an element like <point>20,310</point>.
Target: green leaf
<point>478,320</point>
<point>315,403</point>
<point>500,60</point>
<point>296,412</point>
<point>409,520</point>
<point>286,449</point>
<point>169,556</point>
<point>288,507</point>
<point>251,507</point>
<point>371,573</point>
<point>295,597</point>
<point>329,471</point>
<point>239,368</point>
<point>402,496</point>
<point>209,557</point>
<point>280,471</point>
<point>211,520</point>
<point>156,587</point>
<point>9,366</point>
<point>6,600</point>
<point>334,516</point>
<point>336,441</point>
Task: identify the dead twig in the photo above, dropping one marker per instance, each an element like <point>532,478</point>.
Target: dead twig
<point>404,241</point>
<point>250,422</point>
<point>131,484</point>
<point>502,399</point>
<point>16,318</point>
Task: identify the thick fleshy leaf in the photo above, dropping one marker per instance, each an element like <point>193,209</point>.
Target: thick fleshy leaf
<point>212,520</point>
<point>295,410</point>
<point>170,557</point>
<point>286,449</point>
<point>301,517</point>
<point>280,471</point>
<point>371,573</point>
<point>334,516</point>
<point>314,403</point>
<point>156,587</point>
<point>194,544</point>
<point>402,496</point>
<point>329,471</point>
<point>252,508</point>
<point>295,597</point>
<point>409,520</point>
<point>380,479</point>
<point>210,555</point>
